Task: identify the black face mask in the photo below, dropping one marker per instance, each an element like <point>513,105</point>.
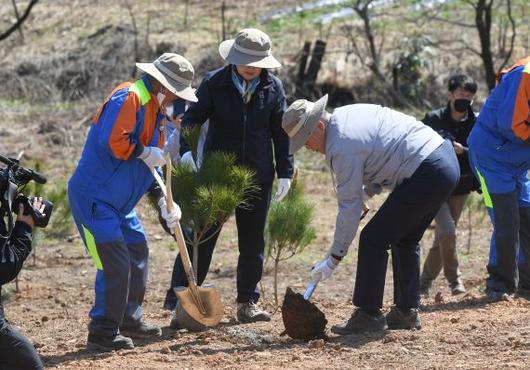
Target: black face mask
<point>462,105</point>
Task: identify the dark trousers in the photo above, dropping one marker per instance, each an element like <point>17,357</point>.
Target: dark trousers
<point>17,352</point>
<point>509,264</point>
<point>399,225</point>
<point>250,221</point>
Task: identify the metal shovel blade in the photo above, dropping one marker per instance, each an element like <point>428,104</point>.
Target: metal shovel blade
<point>190,314</point>
<point>310,289</point>
<point>200,304</point>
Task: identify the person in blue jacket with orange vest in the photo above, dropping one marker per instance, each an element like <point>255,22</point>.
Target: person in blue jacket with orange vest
<point>499,147</point>
<point>115,170</point>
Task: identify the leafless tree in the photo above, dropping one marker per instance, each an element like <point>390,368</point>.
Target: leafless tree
<point>494,57</point>
<point>368,50</point>
<point>17,15</point>
<point>20,20</point>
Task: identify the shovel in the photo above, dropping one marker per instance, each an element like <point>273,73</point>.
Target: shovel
<point>200,304</point>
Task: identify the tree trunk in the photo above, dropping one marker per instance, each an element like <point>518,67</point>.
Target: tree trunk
<point>316,61</point>
<point>196,261</point>
<point>300,78</point>
<point>19,21</point>
<point>223,27</point>
<point>276,262</point>
<point>469,228</point>
<point>483,23</point>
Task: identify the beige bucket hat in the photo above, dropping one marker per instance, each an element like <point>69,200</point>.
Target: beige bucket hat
<point>174,72</point>
<point>251,47</point>
<point>300,120</point>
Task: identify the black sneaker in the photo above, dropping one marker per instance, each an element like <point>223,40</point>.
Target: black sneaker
<point>250,312</point>
<point>398,319</point>
<point>497,295</point>
<point>112,343</point>
<point>359,322</point>
<point>141,331</point>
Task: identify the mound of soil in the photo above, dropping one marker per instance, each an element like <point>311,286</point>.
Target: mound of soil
<point>302,319</point>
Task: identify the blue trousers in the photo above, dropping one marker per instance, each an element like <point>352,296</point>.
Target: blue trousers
<point>506,193</point>
<point>399,225</point>
<point>118,246</point>
<point>250,223</point>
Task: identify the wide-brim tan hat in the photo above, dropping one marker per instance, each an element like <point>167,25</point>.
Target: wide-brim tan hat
<point>174,72</point>
<point>300,120</point>
<point>251,47</point>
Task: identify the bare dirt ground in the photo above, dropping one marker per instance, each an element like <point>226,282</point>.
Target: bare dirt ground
<point>464,332</point>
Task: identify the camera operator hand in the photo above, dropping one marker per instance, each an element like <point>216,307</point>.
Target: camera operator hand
<point>37,205</point>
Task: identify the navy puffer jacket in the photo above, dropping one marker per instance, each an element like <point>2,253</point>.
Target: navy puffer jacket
<point>250,131</point>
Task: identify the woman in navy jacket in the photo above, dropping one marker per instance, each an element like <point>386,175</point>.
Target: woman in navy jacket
<point>244,104</point>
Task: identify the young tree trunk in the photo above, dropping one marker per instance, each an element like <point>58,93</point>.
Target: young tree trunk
<point>469,228</point>
<point>196,260</point>
<point>223,29</point>
<point>276,262</point>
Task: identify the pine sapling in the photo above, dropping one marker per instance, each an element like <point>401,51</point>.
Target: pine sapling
<point>210,195</point>
<point>289,228</point>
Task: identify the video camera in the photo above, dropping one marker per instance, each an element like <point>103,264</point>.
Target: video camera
<point>12,178</point>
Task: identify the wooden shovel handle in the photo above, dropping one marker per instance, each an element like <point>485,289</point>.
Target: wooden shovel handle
<point>179,237</point>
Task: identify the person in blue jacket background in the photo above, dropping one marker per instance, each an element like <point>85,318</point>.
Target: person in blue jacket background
<point>243,103</point>
<point>115,170</point>
<point>499,147</point>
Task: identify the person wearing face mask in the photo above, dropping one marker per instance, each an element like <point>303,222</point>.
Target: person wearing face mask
<point>122,148</point>
<point>243,103</point>
<point>453,122</point>
<point>499,148</point>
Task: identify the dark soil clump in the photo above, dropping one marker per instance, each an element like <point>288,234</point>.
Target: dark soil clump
<point>302,319</point>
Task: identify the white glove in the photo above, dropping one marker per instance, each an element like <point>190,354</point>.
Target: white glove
<point>283,188</point>
<point>323,270</point>
<point>187,160</point>
<point>171,218</point>
<point>152,156</point>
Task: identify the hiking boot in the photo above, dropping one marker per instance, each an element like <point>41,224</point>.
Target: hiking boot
<point>141,331</point>
<point>106,343</point>
<point>250,312</point>
<point>359,322</point>
<point>457,287</point>
<point>409,319</point>
<point>497,295</point>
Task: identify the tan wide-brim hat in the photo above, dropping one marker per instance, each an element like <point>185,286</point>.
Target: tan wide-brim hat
<point>300,120</point>
<point>174,72</point>
<point>251,47</point>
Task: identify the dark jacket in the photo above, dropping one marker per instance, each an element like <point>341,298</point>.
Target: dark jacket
<point>13,252</point>
<point>440,120</point>
<point>248,130</point>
